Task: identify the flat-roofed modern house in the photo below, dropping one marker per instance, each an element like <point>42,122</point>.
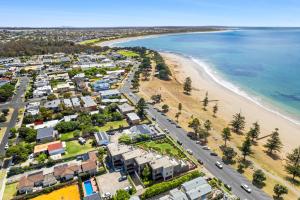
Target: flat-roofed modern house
<point>53,105</point>
<point>67,103</point>
<point>88,103</point>
<point>102,138</point>
<point>99,86</point>
<point>76,103</point>
<point>129,160</point>
<point>106,94</point>
<point>133,118</point>
<point>115,152</point>
<point>46,135</point>
<point>125,108</point>
<point>162,168</point>
<point>197,188</point>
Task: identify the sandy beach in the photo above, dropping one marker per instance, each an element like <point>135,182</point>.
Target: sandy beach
<point>231,103</point>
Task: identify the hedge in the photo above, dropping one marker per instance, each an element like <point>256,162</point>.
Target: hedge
<point>168,185</point>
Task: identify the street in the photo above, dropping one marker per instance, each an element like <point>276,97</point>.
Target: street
<point>228,175</point>
<point>16,103</point>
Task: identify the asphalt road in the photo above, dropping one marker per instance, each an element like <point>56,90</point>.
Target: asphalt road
<point>16,103</point>
<point>228,175</point>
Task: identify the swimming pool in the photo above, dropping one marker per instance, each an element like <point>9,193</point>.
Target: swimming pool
<point>88,188</point>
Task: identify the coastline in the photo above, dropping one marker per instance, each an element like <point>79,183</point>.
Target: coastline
<point>230,102</point>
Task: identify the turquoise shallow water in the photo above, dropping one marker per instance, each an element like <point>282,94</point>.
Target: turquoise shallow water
<point>264,63</point>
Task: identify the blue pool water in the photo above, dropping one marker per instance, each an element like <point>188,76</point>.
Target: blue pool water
<point>88,188</point>
<point>261,63</point>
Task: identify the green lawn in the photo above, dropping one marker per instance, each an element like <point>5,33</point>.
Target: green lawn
<point>66,136</point>
<point>10,191</point>
<point>92,41</point>
<point>128,53</point>
<point>162,146</point>
<point>113,125</point>
<point>73,148</point>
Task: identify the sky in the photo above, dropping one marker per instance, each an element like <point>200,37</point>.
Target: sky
<point>111,13</point>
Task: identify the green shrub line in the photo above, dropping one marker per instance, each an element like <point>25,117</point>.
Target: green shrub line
<point>168,185</point>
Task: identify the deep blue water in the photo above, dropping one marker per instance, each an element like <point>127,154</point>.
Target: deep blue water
<point>264,63</point>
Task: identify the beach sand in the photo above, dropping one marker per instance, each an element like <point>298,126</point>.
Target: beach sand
<point>229,103</point>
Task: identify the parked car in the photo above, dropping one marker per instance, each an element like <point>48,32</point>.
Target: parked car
<point>206,148</point>
<point>6,146</point>
<point>128,188</point>
<point>213,154</point>
<point>219,165</point>
<point>227,186</point>
<point>190,151</point>
<point>122,178</point>
<point>200,161</point>
<point>246,188</point>
<point>180,143</point>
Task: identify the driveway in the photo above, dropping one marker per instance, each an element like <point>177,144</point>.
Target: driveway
<point>110,183</point>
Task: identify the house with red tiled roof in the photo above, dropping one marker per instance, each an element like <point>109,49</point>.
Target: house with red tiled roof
<point>56,148</point>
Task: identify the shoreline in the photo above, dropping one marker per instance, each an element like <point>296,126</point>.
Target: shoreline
<point>231,102</point>
<point>111,43</point>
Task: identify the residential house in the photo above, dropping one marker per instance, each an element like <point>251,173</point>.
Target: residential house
<point>53,105</point>
<point>125,108</point>
<point>88,103</point>
<point>106,94</point>
<point>76,103</point>
<point>197,188</point>
<point>102,138</point>
<point>67,103</point>
<point>27,183</point>
<point>64,87</point>
<point>51,148</point>
<point>115,152</point>
<point>66,172</point>
<point>99,86</point>
<point>133,118</point>
<point>162,168</point>
<point>46,135</point>
<point>89,167</point>
<point>128,159</point>
<point>49,180</point>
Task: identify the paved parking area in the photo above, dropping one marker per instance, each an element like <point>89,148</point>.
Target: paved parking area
<point>110,182</point>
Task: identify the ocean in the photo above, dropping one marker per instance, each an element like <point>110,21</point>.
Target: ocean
<point>261,64</point>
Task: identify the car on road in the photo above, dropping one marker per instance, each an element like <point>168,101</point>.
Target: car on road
<point>200,161</point>
<point>180,143</point>
<point>219,165</point>
<point>246,188</point>
<point>206,148</point>
<point>166,130</point>
<point>190,151</point>
<point>213,154</point>
<point>128,188</point>
<point>6,146</point>
<point>227,186</point>
<point>122,178</point>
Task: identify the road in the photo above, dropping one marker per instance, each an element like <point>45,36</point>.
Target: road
<point>228,175</point>
<point>16,103</point>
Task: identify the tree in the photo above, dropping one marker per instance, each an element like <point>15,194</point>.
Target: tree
<point>207,127</point>
<point>179,107</point>
<point>46,113</point>
<point>254,131</point>
<point>228,154</point>
<point>41,158</point>
<point>156,98</point>
<point>238,123</point>
<point>101,152</point>
<point>205,101</point>
<point>51,97</point>
<point>215,110</point>
<point>195,125</point>
<point>246,147</point>
<point>258,178</point>
<point>187,86</point>
<point>5,111</point>
<point>292,165</point>
<point>122,195</point>
<point>226,135</point>
<point>146,173</point>
<point>165,108</point>
<point>141,107</point>
<point>2,118</point>
<point>177,116</point>
<point>273,143</point>
<point>67,95</point>
<point>27,134</point>
<point>280,190</point>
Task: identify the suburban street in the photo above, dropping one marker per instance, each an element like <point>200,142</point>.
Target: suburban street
<point>228,175</point>
<point>16,103</point>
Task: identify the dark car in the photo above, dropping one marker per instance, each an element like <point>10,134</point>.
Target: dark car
<point>213,154</point>
<point>180,143</point>
<point>227,186</point>
<point>200,161</point>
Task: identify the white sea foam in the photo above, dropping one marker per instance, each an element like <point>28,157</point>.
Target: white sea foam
<point>235,89</point>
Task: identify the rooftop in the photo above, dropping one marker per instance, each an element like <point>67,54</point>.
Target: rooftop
<point>116,149</point>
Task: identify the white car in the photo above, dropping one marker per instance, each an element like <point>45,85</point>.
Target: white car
<point>246,188</point>
<point>190,151</point>
<point>6,146</point>
<point>219,165</point>
<point>206,148</point>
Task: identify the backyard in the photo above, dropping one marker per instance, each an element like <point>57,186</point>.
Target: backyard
<point>162,146</point>
<point>113,125</point>
<point>10,191</point>
<point>66,193</point>
<point>73,148</point>
<point>66,136</point>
